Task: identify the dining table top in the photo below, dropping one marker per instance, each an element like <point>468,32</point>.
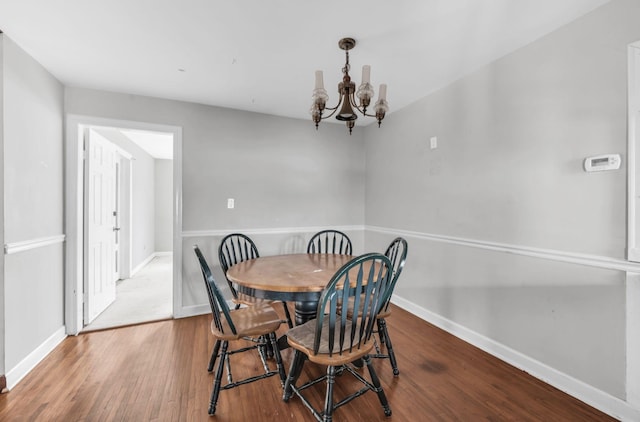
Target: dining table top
<point>303,273</point>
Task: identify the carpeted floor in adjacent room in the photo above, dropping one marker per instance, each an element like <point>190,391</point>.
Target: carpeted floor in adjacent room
<point>145,297</point>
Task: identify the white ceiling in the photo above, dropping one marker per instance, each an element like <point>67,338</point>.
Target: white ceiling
<point>157,144</point>
<point>261,55</point>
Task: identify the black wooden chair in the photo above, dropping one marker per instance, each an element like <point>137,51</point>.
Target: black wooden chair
<point>235,248</point>
<point>256,324</point>
<point>333,340</point>
<point>397,254</point>
<point>330,241</point>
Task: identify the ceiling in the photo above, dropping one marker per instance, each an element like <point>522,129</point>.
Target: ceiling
<point>261,55</point>
<point>158,145</point>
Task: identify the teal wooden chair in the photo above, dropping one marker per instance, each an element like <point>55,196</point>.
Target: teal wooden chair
<point>330,241</point>
<point>235,248</point>
<point>334,340</point>
<point>256,324</point>
<point>397,254</point>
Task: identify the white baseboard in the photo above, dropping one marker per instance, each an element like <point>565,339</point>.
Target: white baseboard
<point>147,260</point>
<point>27,364</point>
<point>142,264</point>
<point>592,396</point>
<point>192,310</point>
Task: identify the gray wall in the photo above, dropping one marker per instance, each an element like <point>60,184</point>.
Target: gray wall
<point>282,173</point>
<point>163,189</point>
<point>508,170</point>
<point>33,197</point>
<point>143,208</point>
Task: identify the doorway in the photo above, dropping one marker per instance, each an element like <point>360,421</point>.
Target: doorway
<point>134,247</point>
<point>128,185</point>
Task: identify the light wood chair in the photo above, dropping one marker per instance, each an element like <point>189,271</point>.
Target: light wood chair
<point>256,324</point>
<point>333,340</point>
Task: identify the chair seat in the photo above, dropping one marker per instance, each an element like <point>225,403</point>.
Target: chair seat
<point>249,322</point>
<point>302,336</point>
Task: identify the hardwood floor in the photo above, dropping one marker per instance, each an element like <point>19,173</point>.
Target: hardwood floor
<point>157,372</point>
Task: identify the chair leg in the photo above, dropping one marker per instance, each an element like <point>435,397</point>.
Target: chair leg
<point>217,382</point>
<point>287,314</point>
<point>276,353</point>
<point>381,332</point>
<point>378,388</point>
<point>392,356</point>
<point>328,400</point>
<point>294,372</point>
<point>214,355</point>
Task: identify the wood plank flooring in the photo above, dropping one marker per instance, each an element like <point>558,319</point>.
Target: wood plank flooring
<point>157,372</point>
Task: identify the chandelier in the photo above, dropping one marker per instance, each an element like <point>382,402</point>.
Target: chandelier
<point>348,94</point>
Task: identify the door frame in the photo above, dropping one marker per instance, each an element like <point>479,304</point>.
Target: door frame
<point>633,98</point>
<point>74,187</point>
<point>124,209</point>
<point>632,285</point>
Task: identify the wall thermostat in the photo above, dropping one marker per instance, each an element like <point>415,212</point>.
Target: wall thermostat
<point>602,162</point>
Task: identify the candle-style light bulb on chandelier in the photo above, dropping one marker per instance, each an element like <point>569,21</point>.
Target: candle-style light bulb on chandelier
<point>347,91</point>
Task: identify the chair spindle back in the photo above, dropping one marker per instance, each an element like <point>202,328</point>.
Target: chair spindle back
<point>330,241</point>
<point>219,307</point>
<point>397,254</point>
<point>235,248</point>
<point>367,279</point>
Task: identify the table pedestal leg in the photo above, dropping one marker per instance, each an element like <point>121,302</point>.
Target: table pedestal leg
<point>305,311</point>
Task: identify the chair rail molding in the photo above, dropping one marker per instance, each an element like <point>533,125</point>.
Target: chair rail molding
<point>25,245</point>
<point>550,254</point>
<point>274,230</point>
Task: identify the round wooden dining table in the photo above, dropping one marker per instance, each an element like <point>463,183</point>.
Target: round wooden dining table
<point>298,278</point>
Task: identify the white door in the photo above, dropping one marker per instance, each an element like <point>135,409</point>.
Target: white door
<point>99,223</point>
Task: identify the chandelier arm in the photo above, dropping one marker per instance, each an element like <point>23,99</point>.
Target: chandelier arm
<point>360,109</point>
<point>334,110</point>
